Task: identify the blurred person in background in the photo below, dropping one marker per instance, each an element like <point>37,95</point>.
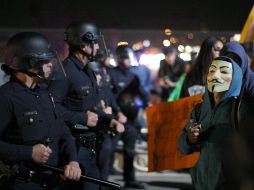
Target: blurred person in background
<point>236,52</point>
<point>103,59</point>
<point>143,73</point>
<point>209,50</point>
<point>128,92</point>
<point>171,68</point>
<point>108,104</point>
<point>176,92</point>
<point>104,68</point>
<point>155,96</point>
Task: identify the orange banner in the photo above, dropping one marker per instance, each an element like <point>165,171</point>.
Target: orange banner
<point>165,124</point>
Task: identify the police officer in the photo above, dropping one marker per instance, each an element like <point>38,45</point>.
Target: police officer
<point>107,104</point>
<point>78,96</point>
<point>106,84</point>
<point>31,127</point>
<point>127,88</point>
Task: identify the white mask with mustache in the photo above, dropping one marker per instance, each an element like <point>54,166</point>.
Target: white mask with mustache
<point>219,76</point>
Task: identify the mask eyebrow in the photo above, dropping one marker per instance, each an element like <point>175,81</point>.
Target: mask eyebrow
<point>222,67</point>
<point>213,66</point>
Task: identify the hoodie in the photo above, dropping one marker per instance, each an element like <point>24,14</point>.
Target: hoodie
<point>248,75</point>
<point>216,131</point>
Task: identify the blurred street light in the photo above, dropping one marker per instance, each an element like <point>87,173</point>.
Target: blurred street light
<point>166,43</point>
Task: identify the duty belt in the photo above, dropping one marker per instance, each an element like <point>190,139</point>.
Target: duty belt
<point>46,179</point>
<point>88,142</point>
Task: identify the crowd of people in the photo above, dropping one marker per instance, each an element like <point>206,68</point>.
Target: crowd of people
<point>72,114</point>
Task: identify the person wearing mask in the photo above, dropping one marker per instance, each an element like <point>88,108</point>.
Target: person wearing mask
<point>212,128</point>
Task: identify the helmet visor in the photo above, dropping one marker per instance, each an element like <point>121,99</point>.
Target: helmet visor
<point>49,67</point>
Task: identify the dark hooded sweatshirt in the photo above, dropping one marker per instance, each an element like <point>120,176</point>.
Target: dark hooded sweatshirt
<point>248,75</point>
<point>217,130</point>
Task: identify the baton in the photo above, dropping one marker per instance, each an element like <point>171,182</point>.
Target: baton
<point>85,177</point>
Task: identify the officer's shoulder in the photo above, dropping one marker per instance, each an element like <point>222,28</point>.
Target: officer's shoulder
<point>6,89</point>
<point>67,63</point>
<point>69,67</point>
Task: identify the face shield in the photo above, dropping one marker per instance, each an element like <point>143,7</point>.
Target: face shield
<point>95,67</point>
<point>91,40</point>
<point>46,66</point>
<point>128,59</point>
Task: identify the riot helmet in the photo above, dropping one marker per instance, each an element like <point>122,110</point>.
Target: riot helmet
<point>32,54</point>
<point>80,34</point>
<point>125,56</point>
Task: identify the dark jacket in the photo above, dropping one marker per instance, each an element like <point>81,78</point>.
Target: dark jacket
<point>172,72</point>
<point>127,88</point>
<point>217,130</point>
<point>248,75</point>
<point>77,94</point>
<point>27,118</point>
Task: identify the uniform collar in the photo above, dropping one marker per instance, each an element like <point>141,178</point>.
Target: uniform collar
<point>77,62</point>
<point>19,86</point>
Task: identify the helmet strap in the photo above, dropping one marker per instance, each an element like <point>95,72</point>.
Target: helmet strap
<point>89,56</point>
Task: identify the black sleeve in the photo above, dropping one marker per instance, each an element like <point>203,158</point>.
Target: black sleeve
<point>184,145</point>
<point>59,90</point>
<point>12,153</point>
<point>161,72</point>
<point>112,102</point>
<point>104,119</point>
<point>68,144</point>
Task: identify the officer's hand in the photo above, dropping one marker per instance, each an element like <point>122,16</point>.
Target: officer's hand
<point>92,119</point>
<point>121,118</point>
<point>119,126</point>
<point>41,153</point>
<point>72,171</point>
<point>193,134</point>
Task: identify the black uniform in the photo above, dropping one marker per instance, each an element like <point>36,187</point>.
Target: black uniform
<point>127,88</point>
<point>105,148</point>
<point>29,117</point>
<point>77,95</point>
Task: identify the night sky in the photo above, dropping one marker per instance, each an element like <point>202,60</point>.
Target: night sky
<point>218,15</point>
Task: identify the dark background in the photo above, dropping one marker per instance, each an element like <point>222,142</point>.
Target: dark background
<point>228,15</point>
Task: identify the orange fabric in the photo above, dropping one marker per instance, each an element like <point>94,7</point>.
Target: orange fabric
<point>165,124</point>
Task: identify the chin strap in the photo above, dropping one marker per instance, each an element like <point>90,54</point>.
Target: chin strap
<point>90,56</point>
<point>32,74</point>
